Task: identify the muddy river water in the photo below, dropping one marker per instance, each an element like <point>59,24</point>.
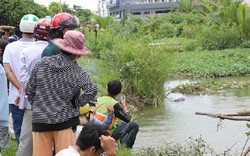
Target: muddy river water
<point>176,121</point>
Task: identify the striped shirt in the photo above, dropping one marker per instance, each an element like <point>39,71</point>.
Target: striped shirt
<point>53,83</point>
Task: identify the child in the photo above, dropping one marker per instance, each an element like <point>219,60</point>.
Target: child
<point>88,114</point>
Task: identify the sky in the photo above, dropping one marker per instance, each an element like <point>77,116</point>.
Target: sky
<point>85,4</point>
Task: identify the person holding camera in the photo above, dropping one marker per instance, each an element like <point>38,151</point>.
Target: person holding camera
<point>126,130</point>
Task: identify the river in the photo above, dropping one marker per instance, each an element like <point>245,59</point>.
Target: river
<point>175,122</point>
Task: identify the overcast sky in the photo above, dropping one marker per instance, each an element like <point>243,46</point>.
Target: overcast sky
<point>85,4</point>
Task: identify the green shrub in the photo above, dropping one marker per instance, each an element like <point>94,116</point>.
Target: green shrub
<point>142,67</point>
<point>223,37</point>
<point>245,44</point>
<point>191,31</point>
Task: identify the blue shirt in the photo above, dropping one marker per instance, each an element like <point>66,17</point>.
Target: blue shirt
<point>4,106</point>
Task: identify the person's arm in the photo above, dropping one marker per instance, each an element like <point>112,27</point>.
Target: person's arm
<point>121,114</point>
<point>90,90</point>
<point>108,120</point>
<point>12,78</point>
<point>108,145</point>
<point>8,70</point>
<point>30,89</point>
<point>24,74</point>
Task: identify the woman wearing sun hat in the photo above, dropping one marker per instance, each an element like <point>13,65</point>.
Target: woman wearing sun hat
<point>53,90</point>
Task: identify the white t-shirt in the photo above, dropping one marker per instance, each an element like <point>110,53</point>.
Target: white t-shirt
<point>11,56</point>
<point>68,152</point>
<point>28,59</point>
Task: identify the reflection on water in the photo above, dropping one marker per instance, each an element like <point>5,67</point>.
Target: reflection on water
<point>176,122</point>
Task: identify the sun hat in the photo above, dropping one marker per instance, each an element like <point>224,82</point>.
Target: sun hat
<point>73,42</point>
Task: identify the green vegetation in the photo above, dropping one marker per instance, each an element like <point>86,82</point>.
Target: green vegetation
<point>198,44</point>
<point>141,67</point>
<point>193,147</point>
<point>211,64</point>
<point>144,54</point>
<point>11,150</point>
<point>187,42</point>
<point>12,11</point>
<point>99,71</point>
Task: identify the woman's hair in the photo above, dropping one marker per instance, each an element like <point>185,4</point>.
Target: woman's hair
<point>89,136</point>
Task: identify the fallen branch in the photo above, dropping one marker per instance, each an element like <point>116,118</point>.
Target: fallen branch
<point>246,152</point>
<point>228,116</point>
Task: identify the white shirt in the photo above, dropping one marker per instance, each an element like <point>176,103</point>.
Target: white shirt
<point>11,57</point>
<point>28,59</point>
<point>68,152</point>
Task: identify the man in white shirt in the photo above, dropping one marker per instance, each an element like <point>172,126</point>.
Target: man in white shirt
<point>29,58</point>
<point>11,61</point>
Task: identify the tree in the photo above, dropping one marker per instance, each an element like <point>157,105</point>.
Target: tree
<point>55,8</point>
<point>12,11</point>
<point>83,14</point>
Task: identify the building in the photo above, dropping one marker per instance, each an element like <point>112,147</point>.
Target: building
<point>102,8</point>
<point>140,8</point>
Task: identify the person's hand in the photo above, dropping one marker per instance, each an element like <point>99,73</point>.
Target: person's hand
<point>20,90</point>
<point>108,145</point>
<point>123,101</point>
<point>17,100</point>
<point>110,109</point>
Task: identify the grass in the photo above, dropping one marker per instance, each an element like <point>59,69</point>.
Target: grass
<point>213,86</point>
<point>192,147</point>
<point>211,64</point>
<point>204,66</point>
<point>11,151</point>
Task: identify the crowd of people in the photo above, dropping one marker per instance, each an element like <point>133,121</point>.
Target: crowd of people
<point>50,95</point>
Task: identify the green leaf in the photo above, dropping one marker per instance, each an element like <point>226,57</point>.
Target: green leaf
<point>248,125</point>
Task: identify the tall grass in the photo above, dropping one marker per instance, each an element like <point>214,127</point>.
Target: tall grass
<point>142,67</point>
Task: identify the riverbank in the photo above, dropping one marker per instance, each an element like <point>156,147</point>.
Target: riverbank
<point>208,69</point>
<point>211,71</point>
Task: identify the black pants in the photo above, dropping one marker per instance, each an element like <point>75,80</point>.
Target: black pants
<point>126,132</point>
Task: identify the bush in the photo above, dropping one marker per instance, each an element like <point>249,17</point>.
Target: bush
<point>222,37</point>
<point>142,67</point>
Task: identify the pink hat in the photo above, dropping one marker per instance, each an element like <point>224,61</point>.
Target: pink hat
<point>73,42</point>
